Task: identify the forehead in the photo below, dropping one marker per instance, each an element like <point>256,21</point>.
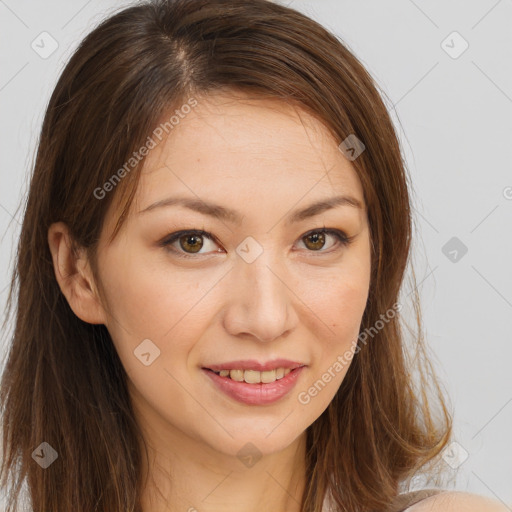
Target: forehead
<point>231,142</point>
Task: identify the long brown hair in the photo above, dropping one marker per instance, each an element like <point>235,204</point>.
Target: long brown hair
<point>63,382</point>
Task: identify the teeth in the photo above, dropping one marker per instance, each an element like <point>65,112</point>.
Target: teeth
<point>255,377</point>
<point>237,375</point>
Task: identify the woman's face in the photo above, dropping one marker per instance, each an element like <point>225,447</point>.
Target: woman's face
<point>258,290</point>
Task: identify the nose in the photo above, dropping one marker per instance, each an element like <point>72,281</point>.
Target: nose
<point>261,300</point>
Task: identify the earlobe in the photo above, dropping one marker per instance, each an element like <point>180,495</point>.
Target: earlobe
<point>74,276</point>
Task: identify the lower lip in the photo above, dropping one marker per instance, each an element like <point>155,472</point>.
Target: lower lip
<point>256,394</point>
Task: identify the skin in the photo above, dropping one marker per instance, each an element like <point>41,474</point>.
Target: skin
<point>265,160</point>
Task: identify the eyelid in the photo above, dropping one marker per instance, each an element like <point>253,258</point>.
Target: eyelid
<point>343,240</point>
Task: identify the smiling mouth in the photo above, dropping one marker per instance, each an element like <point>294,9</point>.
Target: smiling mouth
<point>255,387</point>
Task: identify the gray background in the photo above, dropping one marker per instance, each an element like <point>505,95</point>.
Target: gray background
<point>453,111</point>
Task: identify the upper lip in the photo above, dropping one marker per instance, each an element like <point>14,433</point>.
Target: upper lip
<point>251,364</point>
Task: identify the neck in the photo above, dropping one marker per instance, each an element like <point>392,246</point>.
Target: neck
<point>185,475</point>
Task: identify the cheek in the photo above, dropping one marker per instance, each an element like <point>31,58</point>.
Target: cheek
<point>347,306</point>
<point>157,313</point>
<point>153,301</point>
<point>143,297</point>
<point>337,301</point>
<point>335,319</point>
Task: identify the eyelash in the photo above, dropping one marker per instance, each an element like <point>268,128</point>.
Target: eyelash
<point>343,239</point>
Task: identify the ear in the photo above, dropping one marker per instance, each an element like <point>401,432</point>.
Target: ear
<point>74,275</point>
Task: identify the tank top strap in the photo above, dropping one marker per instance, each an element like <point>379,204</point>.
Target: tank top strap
<point>408,499</point>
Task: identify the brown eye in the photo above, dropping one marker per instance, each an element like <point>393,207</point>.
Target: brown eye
<point>317,240</point>
<point>191,243</point>
<point>187,244</point>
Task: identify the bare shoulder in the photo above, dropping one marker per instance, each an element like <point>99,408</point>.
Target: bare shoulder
<point>457,501</point>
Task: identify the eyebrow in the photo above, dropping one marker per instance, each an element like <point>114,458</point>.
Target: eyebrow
<point>220,212</point>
